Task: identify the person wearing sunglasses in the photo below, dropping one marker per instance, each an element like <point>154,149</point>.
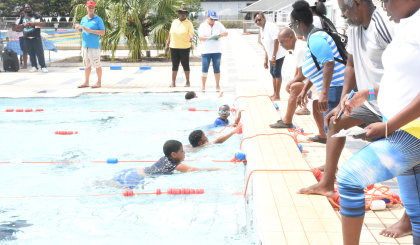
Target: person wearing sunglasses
<point>269,32</point>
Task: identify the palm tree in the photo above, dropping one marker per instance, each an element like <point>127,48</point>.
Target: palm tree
<point>135,22</point>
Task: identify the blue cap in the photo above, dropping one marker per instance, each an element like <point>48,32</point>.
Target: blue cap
<point>212,14</point>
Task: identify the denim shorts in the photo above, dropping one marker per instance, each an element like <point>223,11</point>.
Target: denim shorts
<point>334,96</point>
<point>275,71</point>
<point>205,61</point>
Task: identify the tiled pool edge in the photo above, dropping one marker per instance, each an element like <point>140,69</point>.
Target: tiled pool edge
<point>282,216</point>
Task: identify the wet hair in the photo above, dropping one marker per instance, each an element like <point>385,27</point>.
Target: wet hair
<point>259,13</point>
<point>224,105</point>
<point>320,9</point>
<point>195,137</point>
<point>171,146</point>
<point>189,95</point>
<point>302,13</point>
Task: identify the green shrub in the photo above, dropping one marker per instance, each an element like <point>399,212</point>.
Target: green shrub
<point>232,23</point>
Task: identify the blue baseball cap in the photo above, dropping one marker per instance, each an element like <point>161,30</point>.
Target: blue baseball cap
<point>212,14</point>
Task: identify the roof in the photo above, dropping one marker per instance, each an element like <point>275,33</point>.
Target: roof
<point>267,5</point>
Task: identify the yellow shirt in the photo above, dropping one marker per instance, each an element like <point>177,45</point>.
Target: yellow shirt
<point>413,128</point>
<point>180,31</point>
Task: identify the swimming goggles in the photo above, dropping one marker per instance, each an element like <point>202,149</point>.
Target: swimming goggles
<point>224,112</point>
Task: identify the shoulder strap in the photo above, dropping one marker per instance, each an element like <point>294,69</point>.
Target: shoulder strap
<point>313,57</point>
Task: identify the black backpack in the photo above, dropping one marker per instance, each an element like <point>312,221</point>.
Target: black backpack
<point>339,39</point>
<point>10,60</point>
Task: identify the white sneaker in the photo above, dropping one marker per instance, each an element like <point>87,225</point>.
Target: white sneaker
<point>44,70</point>
<point>33,69</point>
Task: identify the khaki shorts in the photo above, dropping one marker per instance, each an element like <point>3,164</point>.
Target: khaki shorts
<point>91,57</point>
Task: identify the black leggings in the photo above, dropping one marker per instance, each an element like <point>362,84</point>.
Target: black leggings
<point>180,54</point>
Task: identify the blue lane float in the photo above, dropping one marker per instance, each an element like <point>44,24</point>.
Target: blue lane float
<point>112,160</point>
<point>145,67</point>
<point>276,106</point>
<point>115,67</point>
<point>240,155</point>
<point>81,69</point>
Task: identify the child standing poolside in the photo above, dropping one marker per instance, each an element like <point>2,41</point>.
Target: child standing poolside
<point>174,155</point>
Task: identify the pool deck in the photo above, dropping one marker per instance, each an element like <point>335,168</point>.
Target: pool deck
<point>281,215</point>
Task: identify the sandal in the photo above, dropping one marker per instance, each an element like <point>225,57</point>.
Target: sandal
<point>303,112</point>
<point>316,138</point>
<point>83,86</point>
<point>281,124</point>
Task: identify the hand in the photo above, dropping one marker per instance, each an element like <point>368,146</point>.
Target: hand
<point>266,64</point>
<point>77,27</point>
<point>300,99</point>
<point>166,49</point>
<point>323,102</point>
<point>355,101</point>
<point>191,39</point>
<point>375,131</point>
<point>288,87</point>
<point>273,61</point>
<point>332,114</point>
<point>86,28</point>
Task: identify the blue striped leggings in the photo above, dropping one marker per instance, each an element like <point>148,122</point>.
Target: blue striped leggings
<point>379,161</point>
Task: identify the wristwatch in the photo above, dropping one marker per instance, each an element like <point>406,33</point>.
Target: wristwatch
<point>273,56</point>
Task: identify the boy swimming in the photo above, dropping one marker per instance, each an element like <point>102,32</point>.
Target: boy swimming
<point>174,155</point>
<point>198,138</point>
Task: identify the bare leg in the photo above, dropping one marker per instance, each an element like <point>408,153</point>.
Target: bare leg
<point>319,120</point>
<point>399,229</point>
<point>217,77</point>
<point>99,73</point>
<point>87,75</point>
<point>276,87</point>
<point>335,146</point>
<point>203,84</point>
<point>174,73</point>
<point>352,227</point>
<point>295,90</point>
<point>187,76</point>
<point>25,60</point>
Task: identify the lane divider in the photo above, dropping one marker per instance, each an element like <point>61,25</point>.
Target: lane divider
<point>23,110</point>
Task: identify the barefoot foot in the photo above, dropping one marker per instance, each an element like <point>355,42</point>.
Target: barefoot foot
<point>399,229</point>
<point>172,85</point>
<point>186,85</point>
<point>317,189</point>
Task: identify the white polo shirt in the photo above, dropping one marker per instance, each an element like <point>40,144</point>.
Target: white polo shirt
<point>268,34</point>
<point>205,30</point>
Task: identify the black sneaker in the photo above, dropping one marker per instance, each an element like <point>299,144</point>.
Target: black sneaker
<point>281,124</point>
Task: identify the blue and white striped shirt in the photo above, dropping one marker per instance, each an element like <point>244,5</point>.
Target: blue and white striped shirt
<point>324,49</point>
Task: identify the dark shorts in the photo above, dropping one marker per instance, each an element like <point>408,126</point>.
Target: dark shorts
<point>275,71</point>
<point>22,44</point>
<point>130,178</point>
<point>363,113</point>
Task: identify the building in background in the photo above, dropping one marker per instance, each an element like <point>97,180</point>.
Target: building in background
<point>226,9</point>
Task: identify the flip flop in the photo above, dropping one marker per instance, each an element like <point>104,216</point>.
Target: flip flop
<point>303,112</point>
<point>316,138</point>
<point>94,86</point>
<point>281,124</point>
<point>83,86</point>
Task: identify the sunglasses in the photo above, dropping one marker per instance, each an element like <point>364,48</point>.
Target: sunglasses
<point>257,20</point>
<point>224,112</point>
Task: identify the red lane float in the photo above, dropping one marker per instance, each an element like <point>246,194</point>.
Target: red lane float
<point>170,191</point>
<point>65,132</point>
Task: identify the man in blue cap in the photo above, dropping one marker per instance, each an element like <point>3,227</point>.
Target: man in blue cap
<point>209,33</point>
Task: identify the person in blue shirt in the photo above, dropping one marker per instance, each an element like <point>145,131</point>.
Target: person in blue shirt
<point>174,155</point>
<point>91,27</point>
<point>224,113</point>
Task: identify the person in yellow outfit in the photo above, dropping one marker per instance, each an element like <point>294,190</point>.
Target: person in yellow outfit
<point>179,41</point>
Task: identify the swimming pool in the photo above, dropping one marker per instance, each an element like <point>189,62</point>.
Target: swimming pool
<point>134,127</point>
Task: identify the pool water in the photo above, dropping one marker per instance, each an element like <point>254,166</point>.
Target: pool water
<point>134,127</point>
